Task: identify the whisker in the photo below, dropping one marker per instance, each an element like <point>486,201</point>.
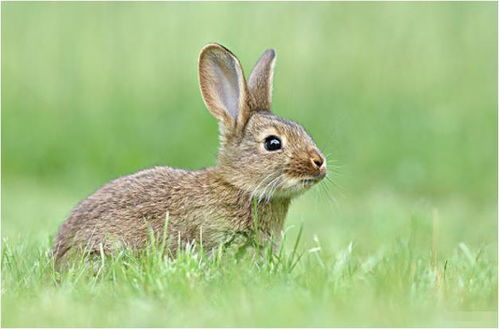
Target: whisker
<point>256,190</point>
<point>263,193</point>
<point>324,188</point>
<point>274,187</point>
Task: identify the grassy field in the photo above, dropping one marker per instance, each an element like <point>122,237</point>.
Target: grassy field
<point>403,96</point>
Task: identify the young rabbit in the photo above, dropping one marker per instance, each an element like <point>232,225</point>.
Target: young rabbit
<point>264,161</point>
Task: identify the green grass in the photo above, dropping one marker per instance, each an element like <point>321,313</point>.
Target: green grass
<point>293,287</point>
<point>402,96</point>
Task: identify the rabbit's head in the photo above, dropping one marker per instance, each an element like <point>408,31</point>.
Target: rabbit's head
<point>260,153</point>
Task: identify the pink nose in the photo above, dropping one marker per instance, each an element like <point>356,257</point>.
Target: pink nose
<point>317,160</point>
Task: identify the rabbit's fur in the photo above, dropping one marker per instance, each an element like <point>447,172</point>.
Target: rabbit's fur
<point>209,205</point>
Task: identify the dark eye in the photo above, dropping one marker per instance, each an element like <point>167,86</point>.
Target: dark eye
<point>272,143</point>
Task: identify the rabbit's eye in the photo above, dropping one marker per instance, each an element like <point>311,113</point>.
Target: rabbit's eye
<point>272,143</point>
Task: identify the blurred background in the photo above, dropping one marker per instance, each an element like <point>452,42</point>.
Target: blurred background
<point>402,96</point>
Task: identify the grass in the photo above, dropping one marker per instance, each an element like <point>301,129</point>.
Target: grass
<point>403,96</point>
<point>312,287</point>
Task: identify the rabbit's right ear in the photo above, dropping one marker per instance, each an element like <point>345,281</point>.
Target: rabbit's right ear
<point>260,81</point>
<point>223,85</point>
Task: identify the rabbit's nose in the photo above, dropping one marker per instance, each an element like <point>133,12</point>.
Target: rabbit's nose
<point>317,160</point>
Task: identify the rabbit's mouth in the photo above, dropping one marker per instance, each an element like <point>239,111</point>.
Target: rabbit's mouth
<point>312,180</point>
<point>291,187</point>
<point>309,181</point>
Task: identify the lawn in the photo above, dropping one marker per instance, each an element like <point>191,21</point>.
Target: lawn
<point>402,96</point>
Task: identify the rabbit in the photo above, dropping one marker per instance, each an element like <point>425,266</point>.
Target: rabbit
<point>264,161</point>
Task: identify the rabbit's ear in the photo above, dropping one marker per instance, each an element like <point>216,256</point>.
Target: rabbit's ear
<point>223,85</point>
<point>260,81</point>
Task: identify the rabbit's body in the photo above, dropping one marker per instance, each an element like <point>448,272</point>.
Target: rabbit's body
<point>192,205</point>
<point>264,161</point>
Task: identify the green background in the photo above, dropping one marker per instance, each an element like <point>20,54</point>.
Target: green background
<point>402,96</point>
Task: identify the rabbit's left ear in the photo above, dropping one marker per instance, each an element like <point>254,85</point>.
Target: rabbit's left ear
<point>260,81</point>
<point>223,86</point>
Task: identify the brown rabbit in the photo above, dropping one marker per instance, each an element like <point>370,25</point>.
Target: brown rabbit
<point>264,160</point>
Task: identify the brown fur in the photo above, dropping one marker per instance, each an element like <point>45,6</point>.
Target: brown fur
<point>209,205</point>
